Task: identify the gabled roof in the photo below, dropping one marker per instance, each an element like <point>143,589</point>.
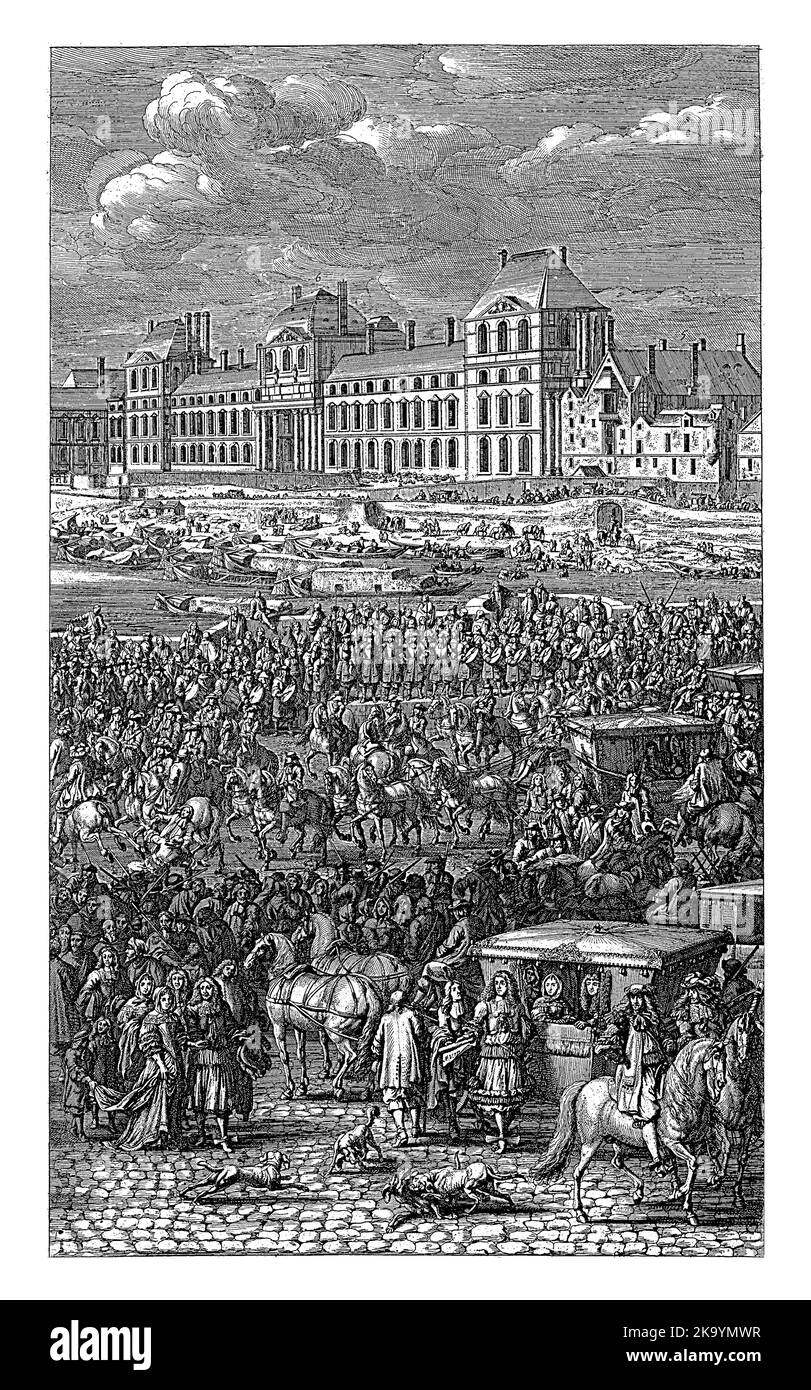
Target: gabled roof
<point>722,372</point>
<point>232,379</point>
<point>86,378</point>
<point>317,315</point>
<point>159,342</point>
<point>540,280</point>
<point>400,361</point>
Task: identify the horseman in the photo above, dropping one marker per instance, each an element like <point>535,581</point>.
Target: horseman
<point>77,785</point>
<point>707,786</point>
<point>291,782</point>
<point>636,1031</point>
<point>699,1009</point>
<point>636,798</point>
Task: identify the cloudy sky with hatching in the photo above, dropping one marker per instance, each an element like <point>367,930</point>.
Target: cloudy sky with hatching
<point>219,177</point>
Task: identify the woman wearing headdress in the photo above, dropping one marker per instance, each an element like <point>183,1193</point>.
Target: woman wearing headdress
<point>497,1092</point>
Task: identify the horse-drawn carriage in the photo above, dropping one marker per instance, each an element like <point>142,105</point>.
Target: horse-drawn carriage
<point>743,679</point>
<point>570,974</point>
<point>663,747</point>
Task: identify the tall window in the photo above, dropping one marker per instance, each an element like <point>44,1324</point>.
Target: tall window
<point>453,454</point>
<point>358,455</point>
<point>302,359</point>
<point>418,458</point>
<point>246,453</point>
<point>523,373</point>
<point>133,381</point>
<point>144,380</point>
<point>484,455</point>
<point>503,336</point>
<point>404,415</point>
<point>524,454</point>
<point>154,424</point>
<point>436,453</point>
<point>235,453</point>
<point>482,378</point>
<point>503,376</point>
<point>504,409</point>
<point>135,453</point>
<point>371,454</point>
<point>524,408</point>
<point>484,410</point>
<point>344,417</point>
<point>387,415</point>
<point>388,456</point>
<point>220,422</point>
<point>371,416</point>
<point>433,414</point>
<point>483,339</point>
<point>199,422</point>
<point>332,453</point>
<point>210,453</point>
<point>222,453</point>
<point>344,454</point>
<point>451,409</point>
<point>357,417</point>
<point>418,415</point>
<point>287,360</point>
<point>523,335</point>
<point>331,417</point>
<point>504,454</point>
<point>235,422</point>
<point>210,422</point>
<point>182,423</point>
<point>154,378</point>
<point>246,422</point>
<point>405,454</point>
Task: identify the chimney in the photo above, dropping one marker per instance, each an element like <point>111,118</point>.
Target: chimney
<point>662,344</point>
<point>205,323</point>
<point>651,359</point>
<point>258,353</point>
<point>450,331</point>
<point>198,328</point>
<point>564,254</point>
<point>503,257</point>
<point>741,346</point>
<point>224,360</point>
<point>609,332</point>
<point>410,326</point>
<point>241,357</point>
<point>694,368</point>
<point>100,373</point>
<point>188,319</point>
<point>343,309</point>
<point>370,338</point>
<point>295,295</point>
<point>150,325</point>
<point>260,363</point>
<point>702,343</point>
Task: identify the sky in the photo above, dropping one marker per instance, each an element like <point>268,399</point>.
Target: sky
<point>219,177</point>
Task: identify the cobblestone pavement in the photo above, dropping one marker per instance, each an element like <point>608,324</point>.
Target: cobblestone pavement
<point>107,1202</point>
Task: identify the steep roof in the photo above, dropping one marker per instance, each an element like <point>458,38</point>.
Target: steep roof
<point>721,372</point>
<point>233,378</point>
<point>539,279</point>
<point>400,361</point>
<point>317,315</point>
<point>86,378</point>
<point>160,341</point>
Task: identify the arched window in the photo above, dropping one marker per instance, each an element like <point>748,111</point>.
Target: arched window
<point>482,378</point>
<point>450,406</point>
<point>483,339</point>
<point>302,359</point>
<point>484,410</point>
<point>434,383</point>
<point>63,455</point>
<point>235,453</point>
<point>503,336</point>
<point>133,381</point>
<point>371,454</point>
<point>418,415</point>
<point>192,422</point>
<point>504,454</point>
<point>504,409</point>
<point>358,456</point>
<point>523,335</point>
<point>344,417</point>
<point>344,455</point>
<point>436,453</point>
<point>183,453</point>
<point>174,454</point>
<point>371,416</point>
<point>270,361</point>
<point>524,454</point>
<point>144,379</point>
<point>235,422</point>
<point>484,455</point>
<point>211,453</point>
<point>246,422</point>
<point>523,373</point>
<point>357,417</point>
<point>155,453</point>
<point>154,378</point>
<point>503,376</point>
<point>210,422</point>
<point>333,452</point>
<point>287,360</point>
<point>200,429</point>
<point>388,456</point>
<point>405,454</point>
<point>524,408</point>
<point>370,388</point>
<point>331,417</point>
<point>387,415</point>
<point>418,454</point>
<point>453,455</point>
<point>404,415</point>
<point>135,453</point>
<point>433,414</point>
<point>221,422</point>
<point>221,453</point>
<point>192,454</point>
<point>564,333</point>
<point>247,453</point>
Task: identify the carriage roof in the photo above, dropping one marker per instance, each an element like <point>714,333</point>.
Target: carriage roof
<point>646,721</point>
<point>620,944</point>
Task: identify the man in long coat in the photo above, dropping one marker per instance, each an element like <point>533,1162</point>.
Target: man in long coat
<point>397,1049</point>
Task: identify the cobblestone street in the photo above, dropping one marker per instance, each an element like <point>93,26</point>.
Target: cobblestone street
<point>106,1202</point>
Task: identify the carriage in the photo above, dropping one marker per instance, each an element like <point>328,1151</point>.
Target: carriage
<point>662,746</point>
<point>554,965</point>
<point>743,679</point>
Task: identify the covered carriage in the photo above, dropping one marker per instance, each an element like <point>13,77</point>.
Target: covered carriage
<point>663,747</point>
<point>571,974</point>
<point>745,679</point>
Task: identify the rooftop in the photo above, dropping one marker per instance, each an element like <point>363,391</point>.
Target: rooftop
<point>232,378</point>
<point>401,361</point>
<point>317,315</point>
<point>721,372</point>
<point>539,279</point>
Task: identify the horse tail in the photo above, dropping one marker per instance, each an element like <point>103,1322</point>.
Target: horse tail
<point>374,1012</point>
<point>564,1138</point>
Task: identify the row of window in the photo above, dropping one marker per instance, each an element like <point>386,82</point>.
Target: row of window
<point>419,383</point>
<point>283,360</point>
<point>79,430</point>
<point>149,379</point>
<point>219,422</point>
<point>221,398</point>
<point>409,415</point>
<point>409,455</point>
<point>498,340</point>
<point>503,453</point>
<point>200,453</point>
<point>504,409</point>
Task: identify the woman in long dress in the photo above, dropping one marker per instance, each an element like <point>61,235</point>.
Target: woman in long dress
<point>212,1082</point>
<point>497,1092</point>
<point>151,1104</point>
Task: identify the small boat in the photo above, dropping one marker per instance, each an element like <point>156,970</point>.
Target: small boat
<point>187,574</point>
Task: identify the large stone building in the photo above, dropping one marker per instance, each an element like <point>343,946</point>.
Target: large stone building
<point>531,386</point>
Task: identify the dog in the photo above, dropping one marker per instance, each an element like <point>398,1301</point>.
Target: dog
<point>267,1175</point>
<point>357,1145</point>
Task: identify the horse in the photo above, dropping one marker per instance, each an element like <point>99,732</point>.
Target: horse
<point>344,1010</point>
<point>589,1115</point>
<point>202,821</point>
<point>89,821</point>
<point>240,793</point>
<point>727,826</point>
<point>309,811</point>
<point>274,953</point>
<point>488,792</point>
<point>329,738</point>
<point>737,1113</point>
<point>385,970</point>
<point>397,802</point>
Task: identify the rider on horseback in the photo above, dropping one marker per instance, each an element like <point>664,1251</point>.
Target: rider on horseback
<point>637,1032</point>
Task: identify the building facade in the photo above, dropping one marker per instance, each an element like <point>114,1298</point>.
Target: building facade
<point>529,386</point>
